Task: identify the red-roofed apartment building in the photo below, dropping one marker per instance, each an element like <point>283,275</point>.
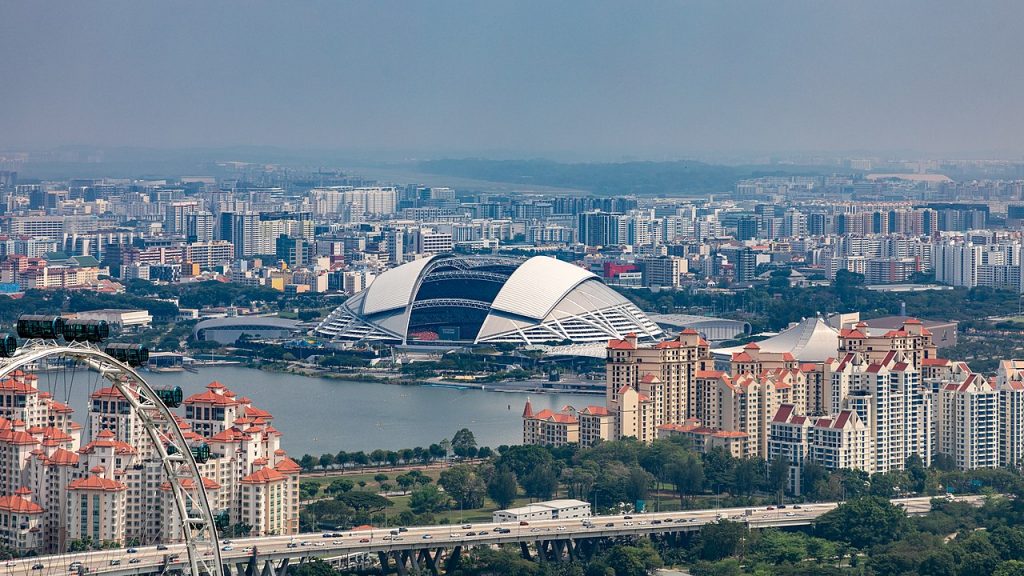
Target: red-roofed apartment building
<point>673,362</point>
<point>840,441</point>
<point>114,489</point>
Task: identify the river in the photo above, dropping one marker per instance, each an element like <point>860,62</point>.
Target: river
<point>318,415</point>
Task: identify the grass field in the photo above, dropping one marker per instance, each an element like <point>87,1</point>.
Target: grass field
<point>663,500</point>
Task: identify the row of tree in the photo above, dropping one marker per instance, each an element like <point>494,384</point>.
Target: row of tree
<point>462,445</point>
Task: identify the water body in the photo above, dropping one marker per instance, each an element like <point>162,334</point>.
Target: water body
<point>318,415</point>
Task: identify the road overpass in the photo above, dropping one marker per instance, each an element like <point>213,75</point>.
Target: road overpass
<point>429,548</point>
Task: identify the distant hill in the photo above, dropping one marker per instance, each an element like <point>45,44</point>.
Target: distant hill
<point>640,178</point>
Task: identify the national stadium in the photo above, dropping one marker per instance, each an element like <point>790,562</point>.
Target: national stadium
<point>466,300</point>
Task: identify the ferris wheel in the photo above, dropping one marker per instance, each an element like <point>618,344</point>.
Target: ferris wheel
<point>48,339</point>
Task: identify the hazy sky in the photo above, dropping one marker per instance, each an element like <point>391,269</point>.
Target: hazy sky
<point>641,78</point>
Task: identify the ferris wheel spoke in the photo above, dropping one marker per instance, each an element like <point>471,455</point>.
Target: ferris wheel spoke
<point>177,455</point>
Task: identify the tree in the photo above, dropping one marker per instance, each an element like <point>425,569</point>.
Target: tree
<point>639,560</point>
<point>730,567</point>
<point>359,458</point>
<point>686,473</point>
<point>380,478</point>
<point>364,501</point>
<point>746,474</point>
<point>540,483</point>
<point>719,467</point>
<point>863,522</point>
<point>405,482</point>
<point>464,443</point>
<point>778,475</point>
<point>308,462</point>
<point>341,458</point>
<point>464,485</point>
<point>392,458</point>
<point>313,567</point>
<point>814,479</point>
<point>436,451</point>
<point>326,461</point>
<point>1009,568</point>
<point>503,488</point>
<point>776,547</point>
<point>339,485</point>
<point>579,482</point>
<point>720,539</point>
<point>308,490</point>
<point>428,499</point>
<point>522,459</point>
<point>638,484</point>
<point>379,457</point>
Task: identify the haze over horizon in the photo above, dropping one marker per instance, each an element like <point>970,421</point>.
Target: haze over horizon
<point>580,79</point>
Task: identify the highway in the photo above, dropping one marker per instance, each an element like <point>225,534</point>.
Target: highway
<point>148,559</point>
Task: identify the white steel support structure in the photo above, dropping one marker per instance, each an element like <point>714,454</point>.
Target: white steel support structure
<point>198,530</point>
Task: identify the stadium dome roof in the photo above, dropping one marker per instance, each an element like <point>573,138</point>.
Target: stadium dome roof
<point>487,299</point>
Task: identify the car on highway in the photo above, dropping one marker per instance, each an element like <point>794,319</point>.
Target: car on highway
<point>134,561</point>
<point>11,563</point>
<point>161,547</point>
<point>74,565</point>
<point>609,524</point>
<point>37,566</point>
<point>471,533</point>
<point>524,523</point>
<point>227,548</point>
<point>115,562</point>
<point>427,536</point>
<point>560,528</point>
<point>790,513</point>
<point>293,545</point>
<point>132,550</point>
<point>627,523</point>
<point>364,540</point>
<point>467,526</point>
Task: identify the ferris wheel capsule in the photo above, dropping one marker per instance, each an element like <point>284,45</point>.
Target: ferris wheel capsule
<point>85,330</point>
<point>8,345</point>
<point>130,354</point>
<point>40,326</point>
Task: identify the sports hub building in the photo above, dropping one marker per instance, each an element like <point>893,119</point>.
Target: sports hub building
<point>450,299</point>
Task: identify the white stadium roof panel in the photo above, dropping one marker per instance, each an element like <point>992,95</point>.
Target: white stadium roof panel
<point>537,285</point>
<point>394,288</point>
